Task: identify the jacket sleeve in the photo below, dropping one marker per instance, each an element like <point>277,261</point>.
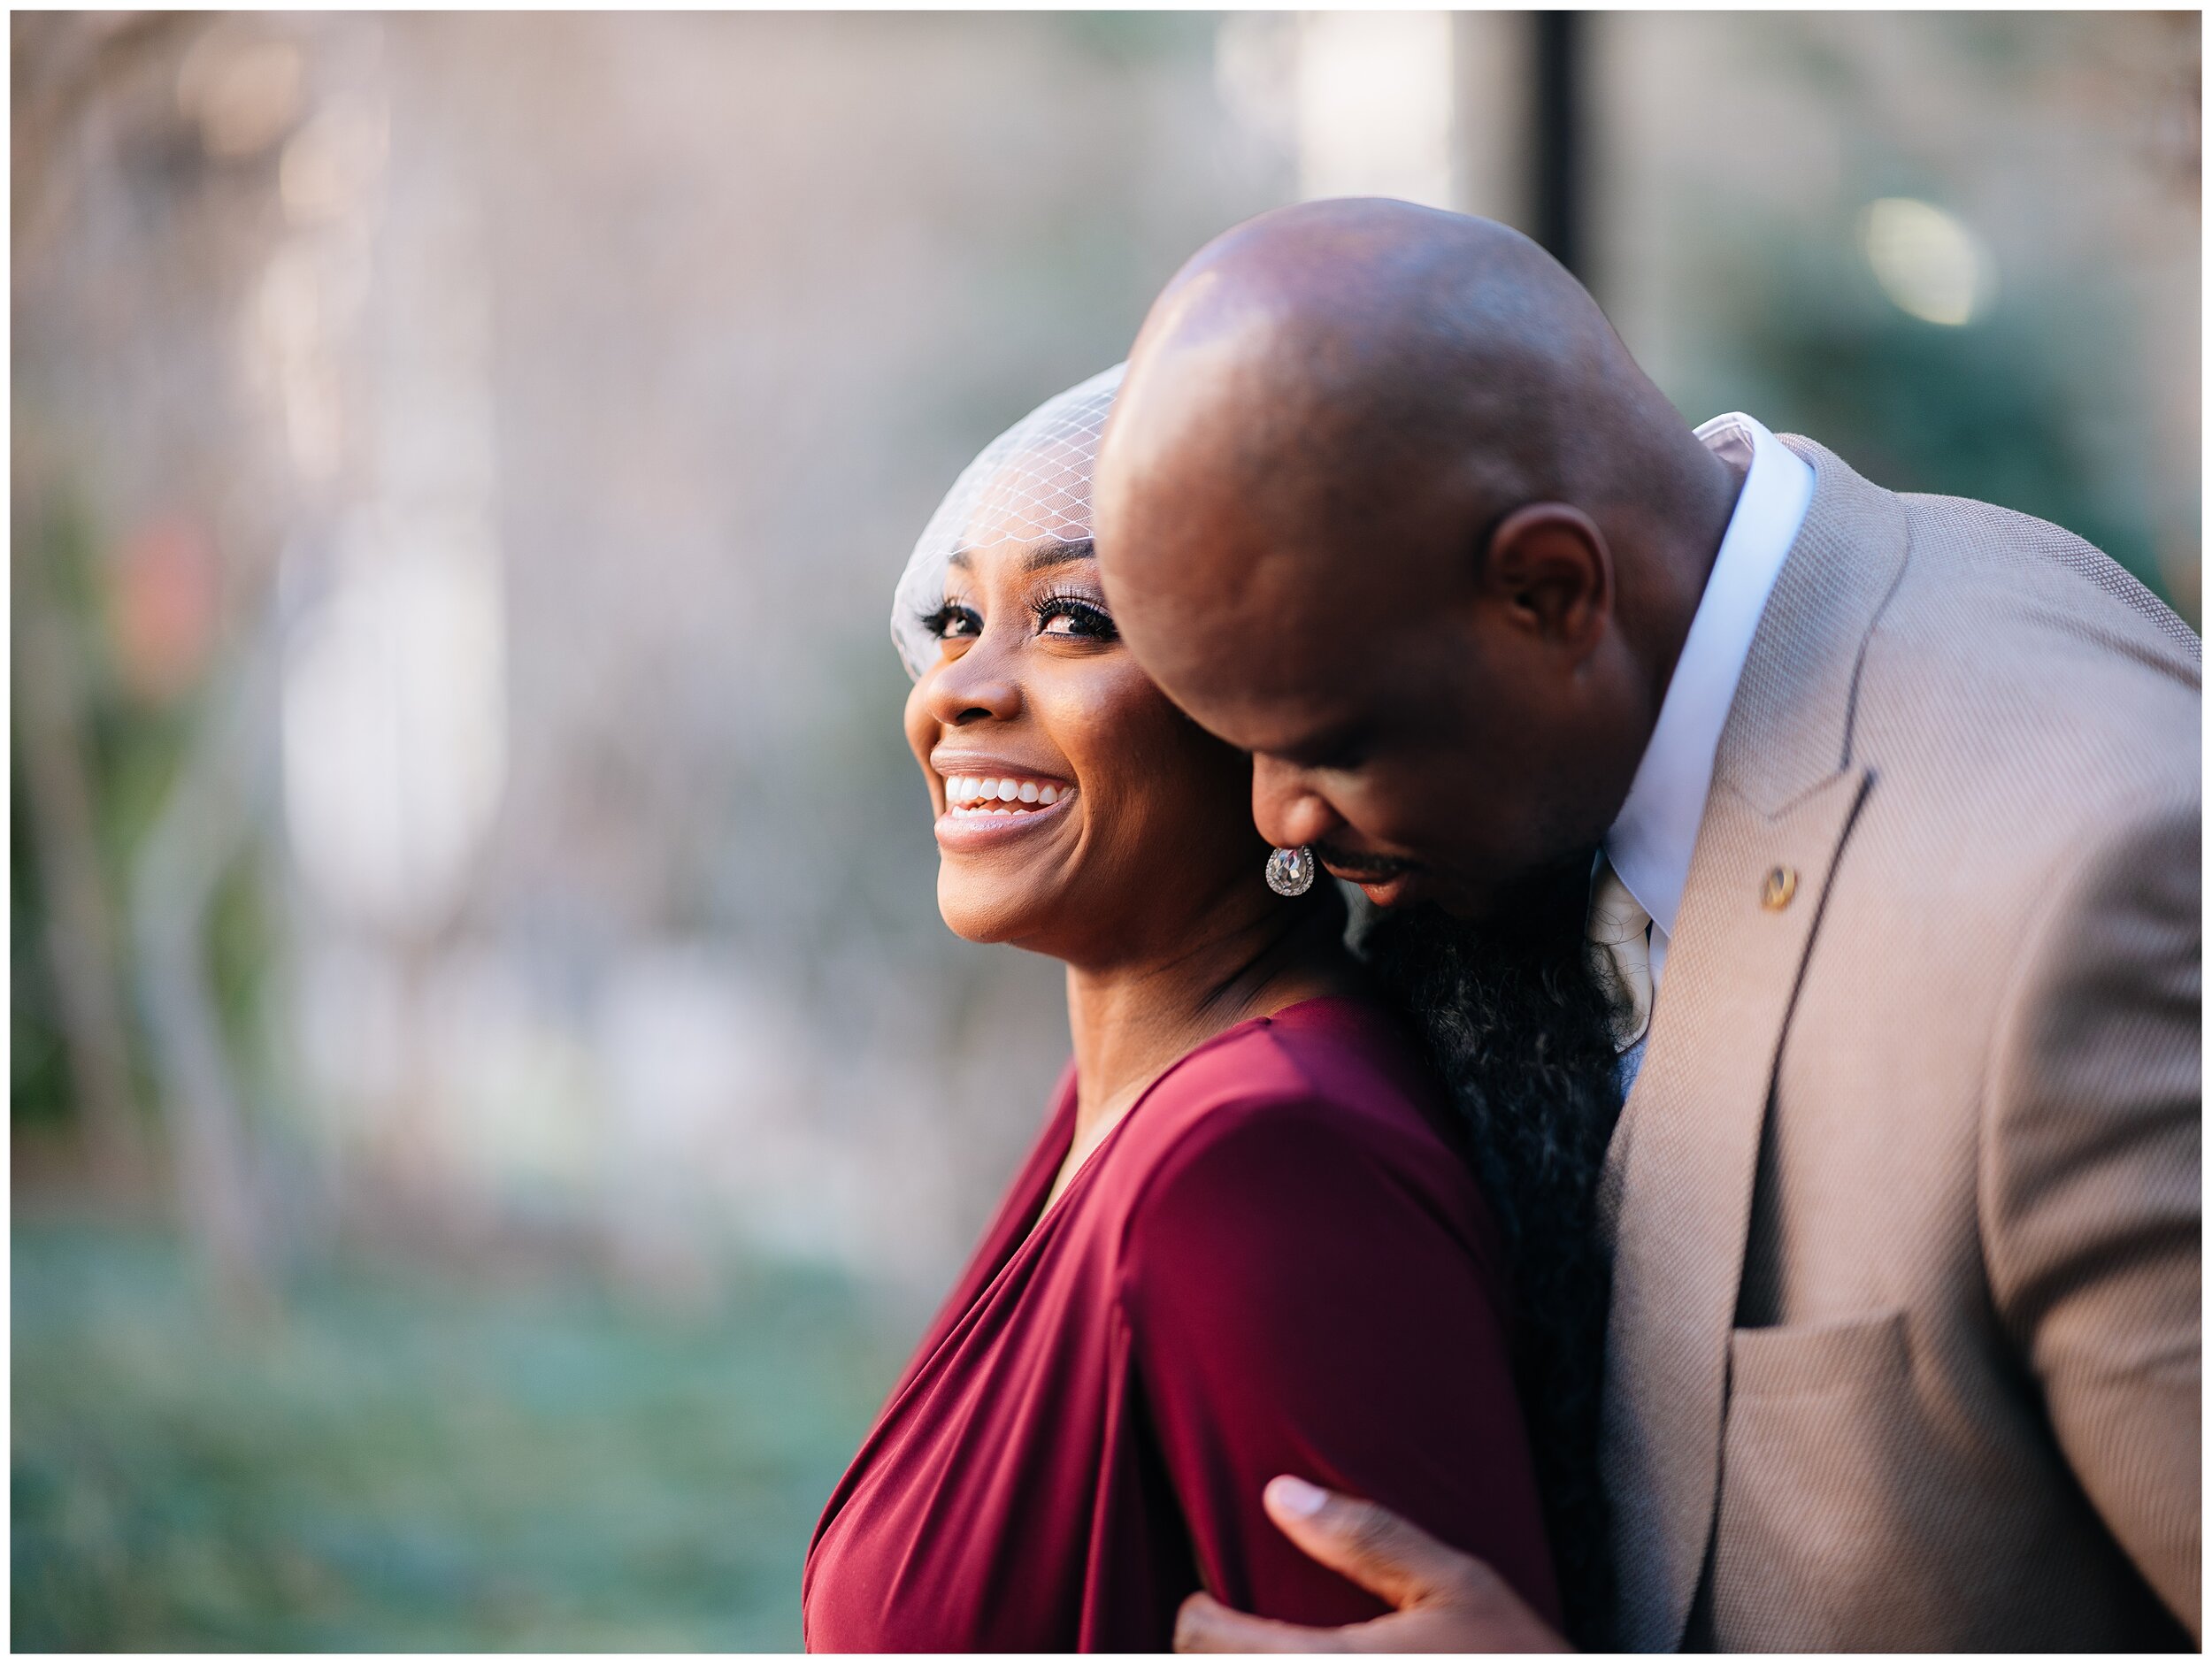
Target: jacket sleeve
<point>1302,1302</point>
<point>2091,1185</point>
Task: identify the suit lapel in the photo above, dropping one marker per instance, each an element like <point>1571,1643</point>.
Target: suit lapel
<point>1675,1201</point>
<point>1687,1179</point>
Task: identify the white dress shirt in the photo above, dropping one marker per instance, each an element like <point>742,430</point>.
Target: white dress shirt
<point>1651,840</point>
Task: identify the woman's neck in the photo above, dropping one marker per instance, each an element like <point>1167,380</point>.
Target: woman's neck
<point>1132,1020</point>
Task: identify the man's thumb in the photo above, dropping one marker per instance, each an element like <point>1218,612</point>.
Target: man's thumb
<point>1366,1542</point>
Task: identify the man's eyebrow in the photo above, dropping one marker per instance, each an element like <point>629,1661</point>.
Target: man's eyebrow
<point>1056,552</point>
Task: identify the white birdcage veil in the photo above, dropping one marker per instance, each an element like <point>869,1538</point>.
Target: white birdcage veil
<point>1030,483</point>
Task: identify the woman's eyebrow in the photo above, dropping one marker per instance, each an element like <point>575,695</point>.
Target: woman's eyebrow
<point>1055,553</point>
<point>1052,552</point>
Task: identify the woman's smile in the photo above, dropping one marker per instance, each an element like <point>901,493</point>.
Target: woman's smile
<point>986,805</point>
<point>1002,794</point>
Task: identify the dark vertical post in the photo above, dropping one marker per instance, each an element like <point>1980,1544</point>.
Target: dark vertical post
<point>1556,149</point>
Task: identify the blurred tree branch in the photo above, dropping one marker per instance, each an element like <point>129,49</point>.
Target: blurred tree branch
<point>79,931</point>
<point>82,84</point>
<point>201,828</point>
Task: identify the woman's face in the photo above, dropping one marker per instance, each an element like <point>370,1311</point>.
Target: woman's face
<point>1079,813</point>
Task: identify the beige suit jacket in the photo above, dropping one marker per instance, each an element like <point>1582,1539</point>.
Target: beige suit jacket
<point>1905,1206</point>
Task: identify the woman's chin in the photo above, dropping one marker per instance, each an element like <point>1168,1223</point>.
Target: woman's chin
<point>986,907</point>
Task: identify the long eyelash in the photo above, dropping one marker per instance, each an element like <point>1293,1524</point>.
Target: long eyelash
<point>1055,602</point>
<point>936,622</point>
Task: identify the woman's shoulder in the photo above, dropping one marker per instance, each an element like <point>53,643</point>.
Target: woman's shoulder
<point>1336,1053</point>
<point>1312,1132</point>
<point>1335,1083</point>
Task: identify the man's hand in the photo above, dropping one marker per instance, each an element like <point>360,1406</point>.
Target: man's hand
<point>1447,1601</point>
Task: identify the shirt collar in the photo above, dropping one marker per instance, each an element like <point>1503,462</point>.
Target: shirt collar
<point>1650,843</point>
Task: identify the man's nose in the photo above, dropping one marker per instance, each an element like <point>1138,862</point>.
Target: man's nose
<point>1286,808</point>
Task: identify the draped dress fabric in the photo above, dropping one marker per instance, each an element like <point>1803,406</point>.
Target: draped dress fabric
<point>1275,1263</point>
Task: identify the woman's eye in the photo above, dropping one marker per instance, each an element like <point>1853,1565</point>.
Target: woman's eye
<point>1068,616</point>
<point>954,623</point>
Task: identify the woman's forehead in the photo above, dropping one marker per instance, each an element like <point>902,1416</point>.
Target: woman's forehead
<point>1037,496</point>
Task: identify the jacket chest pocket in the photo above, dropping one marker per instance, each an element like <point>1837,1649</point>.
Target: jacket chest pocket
<point>1816,1542</point>
<point>1795,1359</point>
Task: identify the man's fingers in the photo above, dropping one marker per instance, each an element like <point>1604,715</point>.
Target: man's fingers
<point>1367,1543</point>
<point>1204,1625</point>
<point>1446,1601</point>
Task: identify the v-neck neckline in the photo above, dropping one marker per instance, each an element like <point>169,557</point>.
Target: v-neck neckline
<point>1042,1214</point>
<point>1025,1221</point>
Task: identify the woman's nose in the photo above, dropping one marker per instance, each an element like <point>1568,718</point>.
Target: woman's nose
<point>1288,810</point>
<point>974,687</point>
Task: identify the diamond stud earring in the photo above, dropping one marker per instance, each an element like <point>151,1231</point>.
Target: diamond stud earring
<point>1290,871</point>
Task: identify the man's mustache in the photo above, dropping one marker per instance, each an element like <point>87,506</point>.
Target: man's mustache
<point>1361,866</point>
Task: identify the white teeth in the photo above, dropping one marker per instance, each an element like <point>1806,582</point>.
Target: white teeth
<point>984,795</point>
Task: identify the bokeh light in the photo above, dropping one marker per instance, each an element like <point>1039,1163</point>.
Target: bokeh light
<point>1927,262</point>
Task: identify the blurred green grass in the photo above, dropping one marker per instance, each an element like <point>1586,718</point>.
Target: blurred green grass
<point>404,1462</point>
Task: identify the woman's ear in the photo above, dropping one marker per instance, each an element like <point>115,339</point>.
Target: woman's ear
<point>1549,566</point>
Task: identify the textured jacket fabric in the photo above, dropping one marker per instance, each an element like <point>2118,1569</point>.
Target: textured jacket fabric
<point>1905,1207</point>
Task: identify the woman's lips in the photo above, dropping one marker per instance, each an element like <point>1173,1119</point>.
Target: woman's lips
<point>984,810</point>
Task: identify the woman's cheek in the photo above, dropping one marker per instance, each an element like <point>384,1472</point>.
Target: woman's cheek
<point>1083,711</point>
<point>921,729</point>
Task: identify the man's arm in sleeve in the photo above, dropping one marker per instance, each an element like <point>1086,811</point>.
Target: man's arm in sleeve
<point>2091,1185</point>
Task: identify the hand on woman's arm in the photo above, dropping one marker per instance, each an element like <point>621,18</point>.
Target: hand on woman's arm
<point>1446,1601</point>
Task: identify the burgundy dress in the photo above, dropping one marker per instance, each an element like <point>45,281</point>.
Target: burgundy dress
<point>1274,1263</point>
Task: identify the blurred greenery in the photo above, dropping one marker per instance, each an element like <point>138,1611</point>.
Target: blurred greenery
<point>405,1462</point>
<point>38,1067</point>
<point>2038,405</point>
<point>2002,411</point>
<point>2006,411</point>
<point>129,746</point>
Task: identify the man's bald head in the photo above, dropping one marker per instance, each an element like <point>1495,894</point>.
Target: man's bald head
<point>1330,415</point>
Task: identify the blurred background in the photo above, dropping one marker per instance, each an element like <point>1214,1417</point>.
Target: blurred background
<point>492,1099</point>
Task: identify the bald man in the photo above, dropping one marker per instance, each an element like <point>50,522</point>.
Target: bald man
<point>1899,807</point>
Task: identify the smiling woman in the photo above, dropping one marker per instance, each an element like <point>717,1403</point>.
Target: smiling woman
<point>1244,1243</point>
<point>1023,690</point>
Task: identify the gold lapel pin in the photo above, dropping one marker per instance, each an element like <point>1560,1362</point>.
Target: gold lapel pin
<point>1781,884</point>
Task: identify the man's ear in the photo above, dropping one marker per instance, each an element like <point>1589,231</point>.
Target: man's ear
<point>1549,565</point>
